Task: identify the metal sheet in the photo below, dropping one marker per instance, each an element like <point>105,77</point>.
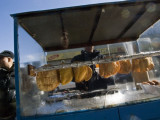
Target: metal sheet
<point>91,24</point>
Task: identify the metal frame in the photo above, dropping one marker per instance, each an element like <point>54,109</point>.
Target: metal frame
<point>16,52</point>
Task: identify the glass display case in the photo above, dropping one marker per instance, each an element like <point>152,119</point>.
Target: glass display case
<point>47,41</point>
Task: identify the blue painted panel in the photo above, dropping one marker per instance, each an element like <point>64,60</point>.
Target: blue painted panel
<point>103,114</point>
<point>143,111</point>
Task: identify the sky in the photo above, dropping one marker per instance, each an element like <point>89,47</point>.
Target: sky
<point>8,7</point>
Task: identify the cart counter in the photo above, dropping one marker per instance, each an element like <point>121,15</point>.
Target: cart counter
<point>46,41</point>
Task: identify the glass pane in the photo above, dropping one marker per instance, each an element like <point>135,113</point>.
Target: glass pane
<point>30,53</point>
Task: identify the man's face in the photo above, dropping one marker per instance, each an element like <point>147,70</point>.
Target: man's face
<point>89,48</point>
<point>6,62</point>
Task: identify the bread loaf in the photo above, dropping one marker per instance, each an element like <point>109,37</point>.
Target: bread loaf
<point>125,67</point>
<point>146,64</point>
<point>135,65</point>
<point>142,64</point>
<point>108,69</point>
<point>80,73</point>
<point>47,80</point>
<point>89,73</point>
<point>66,75</point>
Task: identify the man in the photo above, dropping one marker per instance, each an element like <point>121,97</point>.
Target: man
<point>96,81</point>
<point>7,86</point>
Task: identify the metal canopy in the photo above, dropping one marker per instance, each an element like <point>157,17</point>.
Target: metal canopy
<point>90,25</point>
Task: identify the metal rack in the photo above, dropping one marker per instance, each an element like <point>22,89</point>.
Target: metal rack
<point>104,60</point>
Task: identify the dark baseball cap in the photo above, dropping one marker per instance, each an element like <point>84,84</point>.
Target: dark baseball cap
<point>7,53</point>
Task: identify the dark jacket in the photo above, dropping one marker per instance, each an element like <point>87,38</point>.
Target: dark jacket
<point>96,81</point>
<point>7,92</point>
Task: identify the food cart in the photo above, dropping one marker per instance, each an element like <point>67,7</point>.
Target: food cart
<point>37,35</point>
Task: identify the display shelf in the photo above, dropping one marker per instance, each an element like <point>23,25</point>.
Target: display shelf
<point>104,60</point>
